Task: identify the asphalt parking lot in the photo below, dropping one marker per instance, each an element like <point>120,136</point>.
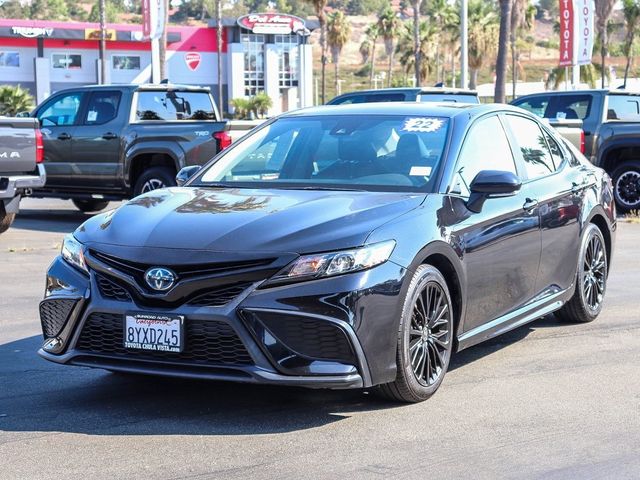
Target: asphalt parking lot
<point>547,400</point>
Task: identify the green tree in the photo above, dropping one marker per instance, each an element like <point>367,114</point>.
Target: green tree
<point>389,26</point>
<point>111,12</point>
<point>416,40</point>
<point>338,31</point>
<point>604,9</point>
<point>14,100</point>
<point>372,32</point>
<point>444,15</point>
<point>427,37</point>
<point>49,10</point>
<point>631,10</point>
<point>483,36</point>
<point>522,19</point>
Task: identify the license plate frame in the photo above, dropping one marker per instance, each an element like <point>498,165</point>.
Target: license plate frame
<point>152,332</point>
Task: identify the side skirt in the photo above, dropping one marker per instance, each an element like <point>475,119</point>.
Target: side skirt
<point>514,319</point>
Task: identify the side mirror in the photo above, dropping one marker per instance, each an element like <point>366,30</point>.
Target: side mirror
<point>186,173</point>
<point>491,183</point>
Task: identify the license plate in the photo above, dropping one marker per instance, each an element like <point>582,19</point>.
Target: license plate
<point>150,331</point>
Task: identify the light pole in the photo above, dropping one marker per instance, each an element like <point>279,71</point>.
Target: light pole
<point>103,42</point>
<point>464,44</point>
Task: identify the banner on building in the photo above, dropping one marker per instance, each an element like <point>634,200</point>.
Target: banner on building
<point>585,30</point>
<point>577,32</point>
<point>567,31</point>
<point>153,16</point>
<point>94,34</point>
<point>271,23</point>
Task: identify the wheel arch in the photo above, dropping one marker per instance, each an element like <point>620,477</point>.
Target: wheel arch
<point>618,152</point>
<point>147,159</point>
<point>599,220</point>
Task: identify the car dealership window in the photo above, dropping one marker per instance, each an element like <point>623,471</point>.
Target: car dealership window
<point>172,105</point>
<point>533,146</point>
<point>485,148</point>
<point>9,59</point>
<point>253,46</point>
<point>125,62</point>
<point>62,111</point>
<point>67,61</point>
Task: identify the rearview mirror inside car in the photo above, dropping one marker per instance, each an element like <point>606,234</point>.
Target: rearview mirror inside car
<point>186,173</point>
<point>491,183</point>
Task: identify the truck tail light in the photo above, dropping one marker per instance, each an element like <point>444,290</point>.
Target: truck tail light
<point>39,147</point>
<point>582,145</point>
<point>223,139</point>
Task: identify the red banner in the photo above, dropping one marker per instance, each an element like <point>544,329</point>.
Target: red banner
<point>566,32</point>
<point>146,18</point>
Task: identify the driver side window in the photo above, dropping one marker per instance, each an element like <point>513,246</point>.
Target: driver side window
<point>485,148</point>
<point>62,111</point>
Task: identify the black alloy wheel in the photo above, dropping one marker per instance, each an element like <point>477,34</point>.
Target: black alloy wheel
<point>153,179</point>
<point>591,279</point>
<point>626,186</point>
<point>425,338</point>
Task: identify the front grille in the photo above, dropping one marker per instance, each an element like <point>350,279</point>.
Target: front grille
<point>309,337</point>
<point>206,342</point>
<point>111,290</point>
<point>218,297</point>
<point>54,314</point>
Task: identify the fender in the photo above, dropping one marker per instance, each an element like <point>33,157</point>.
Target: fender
<point>171,149</point>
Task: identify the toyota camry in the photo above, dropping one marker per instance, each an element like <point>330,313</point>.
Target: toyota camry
<point>354,246</point>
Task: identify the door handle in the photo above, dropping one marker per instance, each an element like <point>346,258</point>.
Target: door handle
<point>109,136</point>
<point>530,204</point>
<point>64,136</point>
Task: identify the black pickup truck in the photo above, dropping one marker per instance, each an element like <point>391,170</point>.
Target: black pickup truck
<point>611,125</point>
<point>112,142</point>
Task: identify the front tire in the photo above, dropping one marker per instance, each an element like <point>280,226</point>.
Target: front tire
<point>153,179</point>
<point>425,338</point>
<point>88,206</point>
<point>626,186</point>
<point>591,280</point>
<point>6,219</point>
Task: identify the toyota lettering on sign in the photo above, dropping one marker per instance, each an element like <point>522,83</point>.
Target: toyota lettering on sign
<point>566,33</point>
<point>585,31</point>
<point>271,23</point>
<point>192,59</point>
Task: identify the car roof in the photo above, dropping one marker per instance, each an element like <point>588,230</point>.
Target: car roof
<point>414,90</point>
<point>435,109</point>
<point>578,92</point>
<point>141,87</point>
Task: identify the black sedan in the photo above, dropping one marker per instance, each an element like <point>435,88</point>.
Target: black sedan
<point>339,247</point>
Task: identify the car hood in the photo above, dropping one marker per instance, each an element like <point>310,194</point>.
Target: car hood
<point>247,220</point>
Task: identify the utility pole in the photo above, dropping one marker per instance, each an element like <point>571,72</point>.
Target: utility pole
<point>103,42</point>
<point>464,44</point>
<point>219,51</point>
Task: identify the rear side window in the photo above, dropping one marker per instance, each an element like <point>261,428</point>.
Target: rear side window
<point>569,107</point>
<point>623,107</point>
<point>535,105</point>
<point>485,148</point>
<point>174,106</point>
<point>533,146</point>
<point>102,108</point>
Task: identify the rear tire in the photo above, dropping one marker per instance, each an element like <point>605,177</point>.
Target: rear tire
<point>88,206</point>
<point>626,186</point>
<point>153,179</point>
<point>591,280</point>
<point>6,219</point>
<point>425,338</point>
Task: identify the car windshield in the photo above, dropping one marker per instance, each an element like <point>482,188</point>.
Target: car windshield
<point>373,152</point>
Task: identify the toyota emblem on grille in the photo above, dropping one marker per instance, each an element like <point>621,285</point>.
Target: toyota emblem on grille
<point>160,278</point>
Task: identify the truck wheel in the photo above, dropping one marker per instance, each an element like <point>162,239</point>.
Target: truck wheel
<point>626,186</point>
<point>154,178</point>
<point>6,219</point>
<point>87,206</point>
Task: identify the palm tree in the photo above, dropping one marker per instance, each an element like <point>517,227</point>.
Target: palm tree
<point>522,18</point>
<point>557,76</point>
<point>365,50</point>
<point>388,25</point>
<point>416,4</point>
<point>443,14</point>
<point>604,8</point>
<point>338,31</point>
<point>483,36</point>
<point>631,10</point>
<point>372,33</point>
<point>14,100</point>
<point>319,6</point>
<point>427,35</point>
<point>501,60</point>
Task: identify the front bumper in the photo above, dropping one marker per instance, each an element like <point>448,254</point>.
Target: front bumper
<point>332,333</point>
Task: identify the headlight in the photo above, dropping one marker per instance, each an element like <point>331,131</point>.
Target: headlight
<point>72,252</point>
<point>320,265</point>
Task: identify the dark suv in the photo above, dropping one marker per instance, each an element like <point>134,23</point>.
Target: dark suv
<point>435,94</point>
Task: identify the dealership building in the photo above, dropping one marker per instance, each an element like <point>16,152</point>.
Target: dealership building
<point>260,53</point>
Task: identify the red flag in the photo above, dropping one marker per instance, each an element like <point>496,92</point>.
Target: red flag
<point>566,33</point>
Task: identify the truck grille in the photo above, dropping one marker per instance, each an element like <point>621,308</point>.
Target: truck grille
<point>206,342</point>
